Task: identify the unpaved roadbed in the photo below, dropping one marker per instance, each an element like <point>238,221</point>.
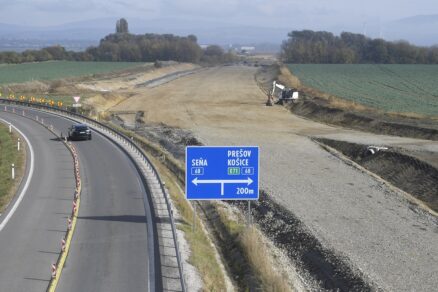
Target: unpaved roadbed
<point>356,217</point>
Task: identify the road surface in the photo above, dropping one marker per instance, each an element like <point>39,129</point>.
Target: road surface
<point>109,247</point>
<point>31,239</point>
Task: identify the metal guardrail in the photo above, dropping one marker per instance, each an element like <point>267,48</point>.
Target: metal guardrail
<point>63,112</point>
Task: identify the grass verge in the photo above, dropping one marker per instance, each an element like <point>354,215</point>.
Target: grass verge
<point>203,255</point>
<point>9,155</point>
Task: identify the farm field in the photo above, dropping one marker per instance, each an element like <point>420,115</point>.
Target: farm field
<point>17,73</point>
<point>392,88</point>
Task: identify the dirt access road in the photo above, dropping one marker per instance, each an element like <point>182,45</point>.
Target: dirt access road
<point>391,242</point>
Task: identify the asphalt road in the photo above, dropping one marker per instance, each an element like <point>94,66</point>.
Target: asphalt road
<point>30,240</point>
<point>109,247</point>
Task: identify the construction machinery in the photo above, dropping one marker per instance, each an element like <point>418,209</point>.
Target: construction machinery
<point>371,150</point>
<point>284,94</point>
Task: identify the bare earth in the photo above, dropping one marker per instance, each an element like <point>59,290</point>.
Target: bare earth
<point>380,233</point>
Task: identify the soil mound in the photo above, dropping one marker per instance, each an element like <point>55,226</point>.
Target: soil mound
<point>319,110</point>
<point>408,173</point>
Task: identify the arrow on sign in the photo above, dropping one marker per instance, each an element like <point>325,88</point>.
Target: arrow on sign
<point>197,181</point>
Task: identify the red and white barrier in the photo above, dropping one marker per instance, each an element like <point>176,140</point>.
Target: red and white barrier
<point>53,271</point>
<point>69,222</point>
<point>63,244</point>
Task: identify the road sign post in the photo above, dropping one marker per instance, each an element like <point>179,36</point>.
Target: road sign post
<point>76,105</point>
<point>249,213</point>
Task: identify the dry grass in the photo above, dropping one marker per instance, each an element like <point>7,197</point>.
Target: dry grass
<point>203,255</point>
<point>31,87</point>
<point>411,116</point>
<point>262,262</point>
<point>345,104</point>
<point>256,251</point>
<point>285,77</point>
<point>104,101</point>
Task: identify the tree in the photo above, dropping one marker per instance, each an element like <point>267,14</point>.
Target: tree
<point>378,51</point>
<point>213,54</point>
<point>323,47</point>
<point>122,26</point>
<point>57,52</point>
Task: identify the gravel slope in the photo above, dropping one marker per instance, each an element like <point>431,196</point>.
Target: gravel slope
<point>379,232</point>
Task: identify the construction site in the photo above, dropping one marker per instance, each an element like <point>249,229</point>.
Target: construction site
<point>343,206</point>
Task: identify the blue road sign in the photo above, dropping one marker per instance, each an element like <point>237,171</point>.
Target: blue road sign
<point>222,173</point>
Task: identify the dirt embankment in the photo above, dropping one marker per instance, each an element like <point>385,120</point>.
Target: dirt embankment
<point>321,110</point>
<point>316,262</point>
<point>328,109</point>
<point>408,173</point>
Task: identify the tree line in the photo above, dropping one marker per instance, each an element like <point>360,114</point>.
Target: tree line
<point>309,46</point>
<point>123,46</point>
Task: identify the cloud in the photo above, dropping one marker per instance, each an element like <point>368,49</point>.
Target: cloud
<point>275,13</point>
<point>84,6</point>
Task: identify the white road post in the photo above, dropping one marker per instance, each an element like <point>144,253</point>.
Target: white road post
<point>10,128</point>
<point>13,171</point>
<point>18,144</point>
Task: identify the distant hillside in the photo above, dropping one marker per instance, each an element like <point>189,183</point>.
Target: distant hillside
<point>420,30</point>
<point>93,30</point>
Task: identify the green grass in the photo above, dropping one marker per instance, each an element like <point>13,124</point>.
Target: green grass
<point>18,73</point>
<point>391,88</point>
<point>8,155</point>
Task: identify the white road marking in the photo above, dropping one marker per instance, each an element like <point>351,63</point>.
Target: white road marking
<point>26,185</point>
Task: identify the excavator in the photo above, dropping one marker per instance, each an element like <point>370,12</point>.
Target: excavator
<point>286,94</point>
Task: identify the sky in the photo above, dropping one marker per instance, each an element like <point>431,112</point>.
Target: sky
<point>270,13</point>
<point>374,18</point>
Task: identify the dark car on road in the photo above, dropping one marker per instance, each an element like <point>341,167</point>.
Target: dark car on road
<point>79,132</point>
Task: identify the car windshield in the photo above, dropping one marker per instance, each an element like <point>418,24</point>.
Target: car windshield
<point>81,128</point>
